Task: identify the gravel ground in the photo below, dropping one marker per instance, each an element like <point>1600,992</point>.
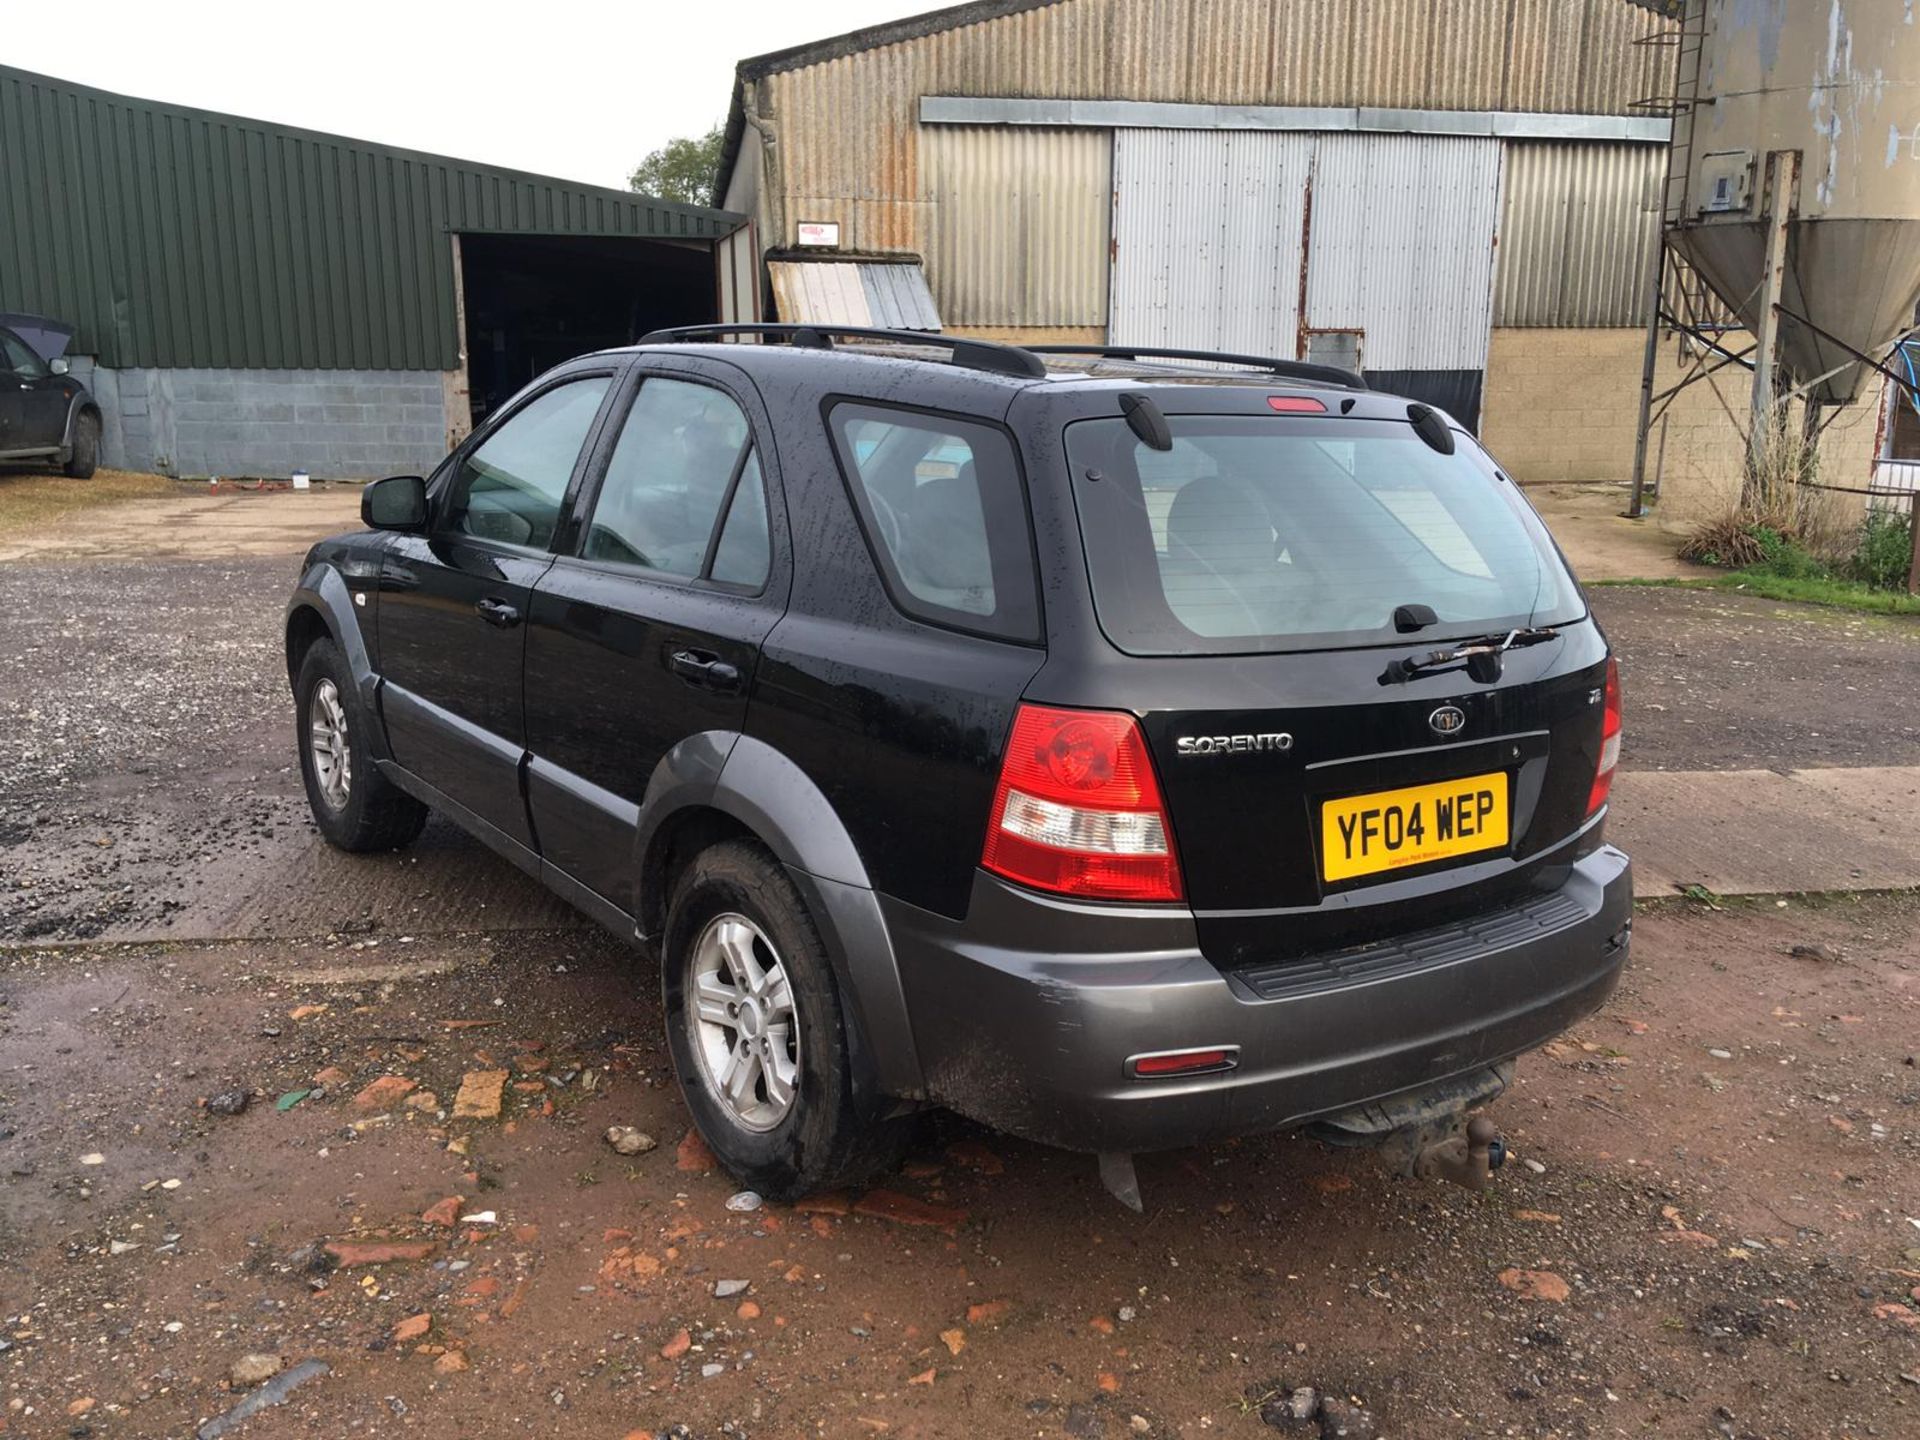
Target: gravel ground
<point>1717,681</point>
<point>1704,1231</point>
<point>148,785</point>
<point>1715,1236</point>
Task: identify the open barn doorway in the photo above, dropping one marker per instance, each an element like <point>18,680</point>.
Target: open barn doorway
<point>532,301</point>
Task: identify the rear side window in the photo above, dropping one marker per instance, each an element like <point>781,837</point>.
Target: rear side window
<point>1255,533</point>
<point>945,511</point>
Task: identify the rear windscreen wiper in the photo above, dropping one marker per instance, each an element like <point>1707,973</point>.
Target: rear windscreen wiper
<point>1483,656</point>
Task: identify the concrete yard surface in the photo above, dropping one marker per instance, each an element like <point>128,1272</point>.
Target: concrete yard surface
<point>1760,832</point>
<point>198,522</point>
<point>1600,542</point>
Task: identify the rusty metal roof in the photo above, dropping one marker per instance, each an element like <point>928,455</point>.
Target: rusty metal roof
<point>958,17</point>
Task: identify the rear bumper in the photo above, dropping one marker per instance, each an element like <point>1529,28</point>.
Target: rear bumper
<point>1025,1014</point>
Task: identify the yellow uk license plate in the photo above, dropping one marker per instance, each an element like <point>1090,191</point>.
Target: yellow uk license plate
<point>1392,829</point>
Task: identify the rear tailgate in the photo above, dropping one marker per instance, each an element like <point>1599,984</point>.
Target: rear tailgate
<point>1257,580</point>
<point>1364,821</point>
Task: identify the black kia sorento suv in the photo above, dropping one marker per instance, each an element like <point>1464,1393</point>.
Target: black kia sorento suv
<point>1121,749</point>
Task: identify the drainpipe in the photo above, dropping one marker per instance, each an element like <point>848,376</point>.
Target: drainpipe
<point>773,200</point>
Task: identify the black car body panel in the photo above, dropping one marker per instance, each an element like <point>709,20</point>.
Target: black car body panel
<point>591,719</point>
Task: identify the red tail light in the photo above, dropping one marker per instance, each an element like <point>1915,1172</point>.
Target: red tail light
<point>1609,741</point>
<point>1078,809</point>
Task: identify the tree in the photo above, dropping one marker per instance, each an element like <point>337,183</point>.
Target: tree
<point>681,170</point>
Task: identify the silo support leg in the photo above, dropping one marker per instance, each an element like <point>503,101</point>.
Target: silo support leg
<point>1781,187</point>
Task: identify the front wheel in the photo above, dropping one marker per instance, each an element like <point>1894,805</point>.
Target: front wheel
<point>85,454</point>
<point>758,1033</point>
<point>355,806</point>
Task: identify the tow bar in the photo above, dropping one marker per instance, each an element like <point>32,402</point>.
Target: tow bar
<point>1468,1159</point>
<point>1419,1133</point>
<point>1415,1133</point>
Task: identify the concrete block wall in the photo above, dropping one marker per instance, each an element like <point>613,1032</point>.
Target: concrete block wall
<point>1561,405</point>
<point>335,424</point>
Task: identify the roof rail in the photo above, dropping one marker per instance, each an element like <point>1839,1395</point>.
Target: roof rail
<point>1292,369</point>
<point>988,355</point>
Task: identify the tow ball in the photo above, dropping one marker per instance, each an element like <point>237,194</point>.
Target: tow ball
<point>1467,1159</point>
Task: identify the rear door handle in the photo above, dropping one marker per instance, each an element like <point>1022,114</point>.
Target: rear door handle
<point>498,613</point>
<point>699,667</point>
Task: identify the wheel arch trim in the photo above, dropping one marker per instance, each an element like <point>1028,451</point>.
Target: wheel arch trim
<point>82,403</point>
<point>322,591</point>
<point>767,794</point>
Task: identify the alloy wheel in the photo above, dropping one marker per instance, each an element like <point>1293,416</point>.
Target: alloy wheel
<point>327,737</point>
<point>741,1019</point>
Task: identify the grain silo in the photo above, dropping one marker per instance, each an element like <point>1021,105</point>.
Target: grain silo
<point>1797,154</point>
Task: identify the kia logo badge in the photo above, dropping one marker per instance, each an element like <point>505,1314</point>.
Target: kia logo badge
<point>1448,720</point>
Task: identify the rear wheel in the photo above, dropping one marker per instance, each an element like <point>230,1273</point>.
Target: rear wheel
<point>758,1033</point>
<point>356,807</point>
<point>85,454</point>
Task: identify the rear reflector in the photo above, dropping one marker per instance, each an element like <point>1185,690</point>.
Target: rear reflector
<point>1609,741</point>
<point>1183,1062</point>
<point>1296,405</point>
<point>1078,809</point>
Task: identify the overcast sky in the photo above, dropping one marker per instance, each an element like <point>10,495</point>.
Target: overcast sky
<point>580,88</point>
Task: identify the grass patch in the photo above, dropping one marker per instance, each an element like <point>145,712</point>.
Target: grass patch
<point>32,502</point>
<point>1772,547</point>
<point>1801,589</point>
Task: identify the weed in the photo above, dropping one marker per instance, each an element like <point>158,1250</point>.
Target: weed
<point>1701,895</point>
<point>1884,551</point>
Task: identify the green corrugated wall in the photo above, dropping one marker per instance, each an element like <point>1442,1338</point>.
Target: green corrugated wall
<point>174,237</point>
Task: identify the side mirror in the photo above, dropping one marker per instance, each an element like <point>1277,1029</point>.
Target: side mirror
<point>60,365</point>
<point>398,502</point>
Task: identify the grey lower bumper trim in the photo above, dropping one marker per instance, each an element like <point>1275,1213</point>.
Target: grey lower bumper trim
<point>1024,1014</point>
<point>1536,919</point>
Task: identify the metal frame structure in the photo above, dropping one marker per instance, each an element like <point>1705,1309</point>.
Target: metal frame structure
<point>1678,302</point>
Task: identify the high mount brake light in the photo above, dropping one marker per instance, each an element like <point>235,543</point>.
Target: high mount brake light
<point>1296,405</point>
<point>1078,809</point>
<point>1609,741</point>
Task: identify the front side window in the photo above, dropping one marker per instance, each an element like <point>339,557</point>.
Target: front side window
<point>16,355</point>
<point>945,510</point>
<point>510,486</point>
<point>685,456</point>
<point>1255,533</point>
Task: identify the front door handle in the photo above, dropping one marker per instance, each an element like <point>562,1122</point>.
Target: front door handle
<point>498,613</point>
<point>699,667</point>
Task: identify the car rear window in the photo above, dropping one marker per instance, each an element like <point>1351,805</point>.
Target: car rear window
<point>1256,534</point>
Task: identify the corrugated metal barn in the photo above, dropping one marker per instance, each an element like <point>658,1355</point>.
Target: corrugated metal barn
<point>1382,183</point>
<point>250,299</point>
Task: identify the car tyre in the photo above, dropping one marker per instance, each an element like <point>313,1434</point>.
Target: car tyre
<point>733,910</point>
<point>84,456</point>
<point>356,807</point>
